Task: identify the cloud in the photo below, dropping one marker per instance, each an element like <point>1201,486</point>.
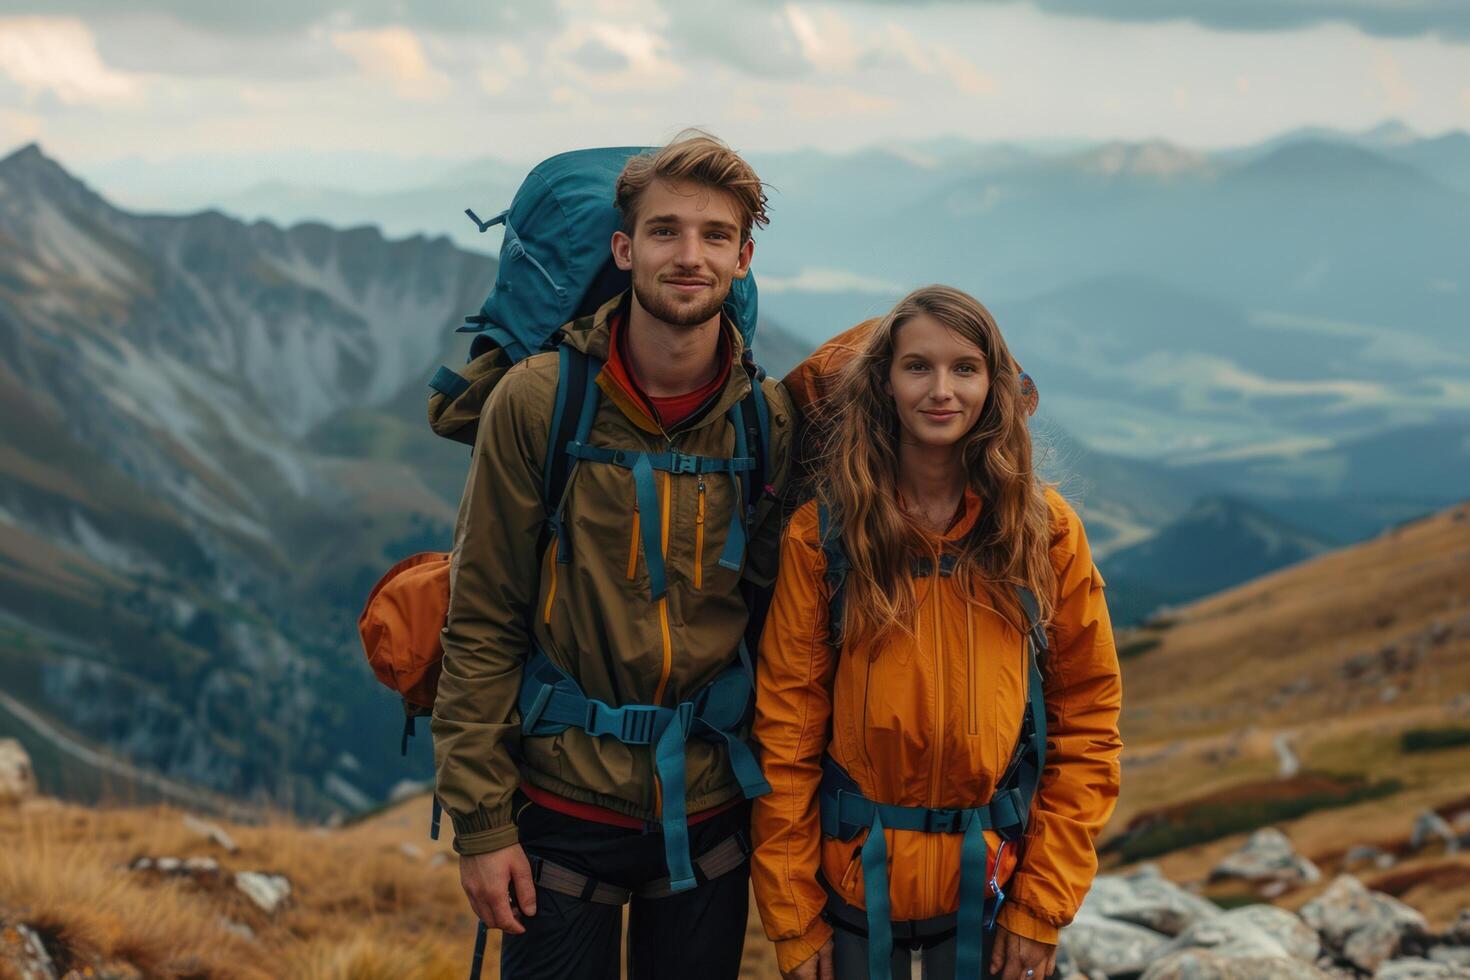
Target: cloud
<point>597,57</point>
<point>291,16</point>
<point>59,56</point>
<point>394,54</point>
<point>819,280</point>
<point>611,58</point>
<point>758,38</point>
<point>1397,91</point>
<point>1385,18</point>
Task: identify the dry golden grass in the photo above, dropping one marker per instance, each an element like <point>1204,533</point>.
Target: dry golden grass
<point>361,907</point>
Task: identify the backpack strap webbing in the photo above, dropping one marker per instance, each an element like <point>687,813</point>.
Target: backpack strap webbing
<point>830,536</point>
<point>575,404</point>
<point>551,701</point>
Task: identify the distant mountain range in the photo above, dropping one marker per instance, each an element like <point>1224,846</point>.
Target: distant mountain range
<point>1217,543</point>
<point>1308,289</point>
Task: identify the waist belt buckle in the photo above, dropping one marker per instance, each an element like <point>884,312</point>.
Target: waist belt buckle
<point>942,821</point>
<point>682,463</point>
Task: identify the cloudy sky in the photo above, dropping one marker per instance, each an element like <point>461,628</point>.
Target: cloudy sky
<point>459,79</point>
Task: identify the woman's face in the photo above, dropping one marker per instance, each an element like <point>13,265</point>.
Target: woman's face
<point>938,381</point>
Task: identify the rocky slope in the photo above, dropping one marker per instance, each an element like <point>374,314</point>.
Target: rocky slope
<point>180,562</point>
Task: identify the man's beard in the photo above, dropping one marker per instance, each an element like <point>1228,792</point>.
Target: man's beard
<point>677,314</point>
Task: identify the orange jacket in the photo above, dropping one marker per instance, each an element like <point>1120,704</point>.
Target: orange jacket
<point>931,721</point>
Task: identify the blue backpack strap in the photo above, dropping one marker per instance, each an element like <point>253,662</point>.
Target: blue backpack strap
<point>830,536</point>
<point>550,702</point>
<point>846,812</point>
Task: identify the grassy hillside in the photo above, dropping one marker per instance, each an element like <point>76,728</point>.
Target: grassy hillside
<point>1340,658</point>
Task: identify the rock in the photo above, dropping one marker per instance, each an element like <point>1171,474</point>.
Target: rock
<point>240,929</point>
<point>267,891</point>
<point>1368,854</point>
<point>1365,928</point>
<point>213,831</point>
<point>22,950</point>
<point>1098,945</point>
<point>1295,936</point>
<point>1251,932</point>
<point>1414,968</point>
<point>410,850</point>
<point>1429,826</point>
<point>17,778</point>
<point>1066,968</point>
<point>1267,856</point>
<point>1459,931</point>
<point>168,865</point>
<point>1453,955</point>
<point>1200,964</point>
<point>1146,898</point>
<point>438,859</point>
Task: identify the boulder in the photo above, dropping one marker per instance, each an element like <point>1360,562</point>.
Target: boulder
<point>17,778</point>
<point>1251,932</point>
<point>1366,928</point>
<point>1203,964</point>
<point>1414,968</point>
<point>1098,945</point>
<point>1146,898</point>
<point>267,891</point>
<point>1267,856</point>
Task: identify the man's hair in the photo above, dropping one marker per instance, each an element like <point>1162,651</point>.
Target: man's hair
<point>696,156</point>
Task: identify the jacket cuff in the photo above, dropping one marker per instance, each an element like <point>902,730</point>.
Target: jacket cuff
<point>485,841</point>
<point>1023,922</point>
<point>791,953</point>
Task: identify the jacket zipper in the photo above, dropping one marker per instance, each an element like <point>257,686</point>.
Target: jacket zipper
<point>699,539</point>
<point>972,675</point>
<point>935,773</point>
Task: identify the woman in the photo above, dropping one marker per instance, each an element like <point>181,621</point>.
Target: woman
<point>917,775</point>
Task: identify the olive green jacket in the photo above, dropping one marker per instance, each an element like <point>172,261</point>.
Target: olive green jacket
<point>592,616</point>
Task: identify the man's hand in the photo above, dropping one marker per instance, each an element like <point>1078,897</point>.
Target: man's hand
<point>818,967</point>
<point>1014,955</point>
<point>487,880</point>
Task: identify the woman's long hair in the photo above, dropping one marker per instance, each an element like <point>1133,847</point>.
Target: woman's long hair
<point>857,470</point>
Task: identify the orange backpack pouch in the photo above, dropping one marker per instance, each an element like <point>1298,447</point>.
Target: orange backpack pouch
<point>402,623</point>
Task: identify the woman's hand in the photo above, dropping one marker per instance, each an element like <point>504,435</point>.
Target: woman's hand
<point>1015,955</point>
<point>818,967</point>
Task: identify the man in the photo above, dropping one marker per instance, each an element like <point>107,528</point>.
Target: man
<point>640,599</point>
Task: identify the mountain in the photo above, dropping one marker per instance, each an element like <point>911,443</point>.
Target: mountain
<point>1217,543</point>
<point>181,564</point>
<point>1424,466</point>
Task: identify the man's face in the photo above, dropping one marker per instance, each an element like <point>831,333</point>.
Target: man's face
<point>685,251</point>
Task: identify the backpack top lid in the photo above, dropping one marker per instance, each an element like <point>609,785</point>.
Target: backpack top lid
<point>556,260</point>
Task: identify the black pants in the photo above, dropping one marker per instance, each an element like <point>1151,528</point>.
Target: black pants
<point>698,933</point>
